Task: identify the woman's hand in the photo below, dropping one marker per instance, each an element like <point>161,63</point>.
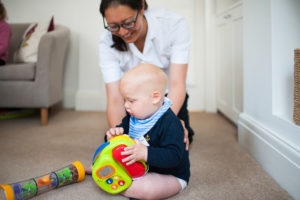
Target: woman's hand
<point>135,153</point>
<point>113,132</point>
<point>186,136</point>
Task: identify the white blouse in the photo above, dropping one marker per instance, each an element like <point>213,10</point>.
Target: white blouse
<point>167,41</point>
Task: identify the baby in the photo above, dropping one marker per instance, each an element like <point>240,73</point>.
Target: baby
<point>158,132</point>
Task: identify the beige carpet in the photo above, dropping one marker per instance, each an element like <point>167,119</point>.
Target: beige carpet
<point>220,169</point>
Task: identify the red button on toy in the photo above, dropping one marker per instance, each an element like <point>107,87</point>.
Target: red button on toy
<point>121,182</point>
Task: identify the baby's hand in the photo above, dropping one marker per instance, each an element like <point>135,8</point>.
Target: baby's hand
<point>135,153</point>
<point>113,132</point>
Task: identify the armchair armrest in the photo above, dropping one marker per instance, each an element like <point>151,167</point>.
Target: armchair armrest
<point>50,62</point>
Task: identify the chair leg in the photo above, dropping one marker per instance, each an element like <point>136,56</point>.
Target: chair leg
<point>44,116</point>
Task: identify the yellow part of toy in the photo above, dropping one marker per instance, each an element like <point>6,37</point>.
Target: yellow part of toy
<point>80,169</point>
<point>125,137</point>
<point>8,192</point>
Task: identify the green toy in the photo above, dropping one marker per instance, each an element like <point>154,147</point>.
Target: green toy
<point>108,170</point>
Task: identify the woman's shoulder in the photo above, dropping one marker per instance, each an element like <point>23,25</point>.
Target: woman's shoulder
<point>164,14</point>
<point>165,20</point>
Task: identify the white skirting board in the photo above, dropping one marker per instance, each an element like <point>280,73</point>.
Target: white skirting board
<point>69,98</point>
<point>90,101</point>
<point>280,160</point>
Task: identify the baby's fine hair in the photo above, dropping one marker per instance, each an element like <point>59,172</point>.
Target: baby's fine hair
<point>147,74</point>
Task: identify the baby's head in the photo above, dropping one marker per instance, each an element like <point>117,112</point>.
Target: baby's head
<point>143,89</point>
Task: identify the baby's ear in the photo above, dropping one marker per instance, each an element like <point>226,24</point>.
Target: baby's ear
<point>156,97</point>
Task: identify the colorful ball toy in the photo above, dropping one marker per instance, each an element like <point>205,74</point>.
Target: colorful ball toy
<point>108,170</point>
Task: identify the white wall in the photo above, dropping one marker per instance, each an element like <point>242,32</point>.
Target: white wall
<point>222,5</point>
<point>271,32</point>
<point>83,85</point>
<point>285,18</point>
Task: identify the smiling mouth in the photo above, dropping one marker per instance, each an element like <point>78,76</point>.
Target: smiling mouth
<point>128,37</point>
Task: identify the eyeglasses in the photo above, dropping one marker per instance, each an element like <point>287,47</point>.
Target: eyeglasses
<point>126,25</point>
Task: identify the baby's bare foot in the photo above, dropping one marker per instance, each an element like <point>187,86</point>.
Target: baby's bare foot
<point>88,170</point>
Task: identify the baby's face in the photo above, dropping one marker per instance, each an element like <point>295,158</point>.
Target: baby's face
<point>138,102</point>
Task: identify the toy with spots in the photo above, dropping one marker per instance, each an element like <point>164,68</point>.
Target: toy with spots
<point>108,170</point>
<point>26,189</point>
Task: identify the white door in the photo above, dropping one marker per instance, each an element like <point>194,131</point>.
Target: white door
<point>230,63</point>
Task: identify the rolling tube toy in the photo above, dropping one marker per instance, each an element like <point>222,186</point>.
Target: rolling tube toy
<point>26,189</point>
<point>108,170</point>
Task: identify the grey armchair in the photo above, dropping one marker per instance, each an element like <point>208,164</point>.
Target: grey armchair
<point>35,85</point>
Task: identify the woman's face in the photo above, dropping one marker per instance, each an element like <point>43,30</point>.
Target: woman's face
<point>120,14</point>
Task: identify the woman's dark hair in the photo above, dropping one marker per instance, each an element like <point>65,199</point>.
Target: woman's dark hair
<point>119,44</point>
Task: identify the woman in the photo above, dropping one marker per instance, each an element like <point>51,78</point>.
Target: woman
<point>5,34</point>
<point>135,35</point>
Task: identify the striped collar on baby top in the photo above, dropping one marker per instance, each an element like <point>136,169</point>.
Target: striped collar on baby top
<point>139,127</point>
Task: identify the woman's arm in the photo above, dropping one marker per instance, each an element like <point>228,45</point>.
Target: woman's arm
<point>177,92</point>
<point>115,109</point>
<point>177,85</point>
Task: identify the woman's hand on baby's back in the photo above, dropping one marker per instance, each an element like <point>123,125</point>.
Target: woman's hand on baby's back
<point>113,132</point>
<point>186,136</point>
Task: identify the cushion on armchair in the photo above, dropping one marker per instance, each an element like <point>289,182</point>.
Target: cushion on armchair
<point>27,51</point>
